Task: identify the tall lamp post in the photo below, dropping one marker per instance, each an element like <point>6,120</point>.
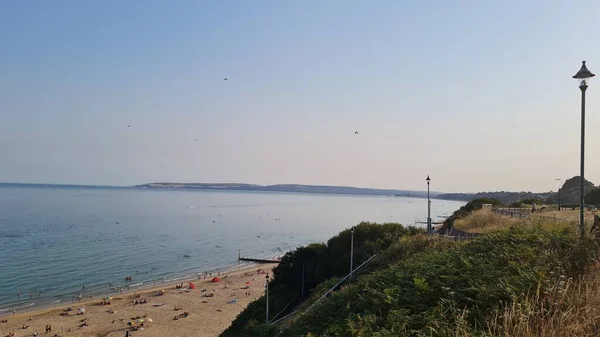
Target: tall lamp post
<point>267,286</point>
<point>351,251</point>
<point>583,76</point>
<point>559,186</point>
<point>429,229</point>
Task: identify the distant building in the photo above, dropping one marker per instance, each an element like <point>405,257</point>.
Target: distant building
<point>486,206</point>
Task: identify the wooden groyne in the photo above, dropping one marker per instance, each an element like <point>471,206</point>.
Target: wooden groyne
<point>249,259</point>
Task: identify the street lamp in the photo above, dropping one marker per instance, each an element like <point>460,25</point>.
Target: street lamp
<point>267,286</point>
<point>351,251</point>
<point>559,186</point>
<point>583,76</point>
<point>429,229</point>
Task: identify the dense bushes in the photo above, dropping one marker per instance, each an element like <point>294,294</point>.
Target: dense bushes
<point>321,262</point>
<point>526,203</point>
<point>593,197</point>
<point>420,296</point>
<point>419,286</point>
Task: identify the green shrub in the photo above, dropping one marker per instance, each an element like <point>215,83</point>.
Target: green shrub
<point>418,296</point>
<point>321,262</point>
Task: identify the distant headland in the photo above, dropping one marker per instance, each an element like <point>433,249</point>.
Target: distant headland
<point>503,196</point>
<point>568,192</point>
<point>291,188</point>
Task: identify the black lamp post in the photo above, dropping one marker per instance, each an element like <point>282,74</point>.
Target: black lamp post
<point>351,252</point>
<point>583,76</point>
<point>267,286</point>
<point>429,229</point>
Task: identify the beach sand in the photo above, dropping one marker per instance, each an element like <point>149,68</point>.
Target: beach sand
<point>204,319</point>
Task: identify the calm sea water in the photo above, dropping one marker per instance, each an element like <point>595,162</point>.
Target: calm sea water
<point>57,240</point>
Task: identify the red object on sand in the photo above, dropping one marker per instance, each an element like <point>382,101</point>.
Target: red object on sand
<point>192,286</point>
<point>248,283</point>
<point>216,279</point>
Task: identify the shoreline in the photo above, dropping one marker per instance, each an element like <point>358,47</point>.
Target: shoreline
<point>50,306</point>
<point>205,309</point>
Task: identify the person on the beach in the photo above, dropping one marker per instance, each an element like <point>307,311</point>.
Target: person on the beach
<point>14,311</point>
<point>18,294</point>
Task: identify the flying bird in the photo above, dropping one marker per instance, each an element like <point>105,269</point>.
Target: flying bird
<point>128,126</point>
<point>356,132</point>
<point>225,79</point>
<point>196,140</point>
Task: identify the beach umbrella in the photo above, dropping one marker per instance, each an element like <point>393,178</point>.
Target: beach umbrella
<point>82,310</point>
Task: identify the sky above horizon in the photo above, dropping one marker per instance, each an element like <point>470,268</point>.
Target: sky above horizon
<point>477,94</point>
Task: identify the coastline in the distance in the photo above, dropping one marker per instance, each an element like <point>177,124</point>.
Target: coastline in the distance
<point>292,188</point>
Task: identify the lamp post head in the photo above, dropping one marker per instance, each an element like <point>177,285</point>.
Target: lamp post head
<point>267,277</point>
<point>583,75</point>
<point>428,179</point>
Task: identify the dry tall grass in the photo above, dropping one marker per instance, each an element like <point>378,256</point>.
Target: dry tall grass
<point>569,308</point>
<point>485,221</point>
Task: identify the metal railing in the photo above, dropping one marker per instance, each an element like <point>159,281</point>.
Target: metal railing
<point>326,293</point>
<point>526,213</point>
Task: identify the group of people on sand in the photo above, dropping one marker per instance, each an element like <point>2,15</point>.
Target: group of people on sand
<point>182,315</point>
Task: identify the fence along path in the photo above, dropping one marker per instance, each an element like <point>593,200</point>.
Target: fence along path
<point>525,213</point>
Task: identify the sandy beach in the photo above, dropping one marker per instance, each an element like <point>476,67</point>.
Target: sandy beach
<point>203,311</point>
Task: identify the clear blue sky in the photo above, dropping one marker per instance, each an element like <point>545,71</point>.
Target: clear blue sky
<point>478,94</point>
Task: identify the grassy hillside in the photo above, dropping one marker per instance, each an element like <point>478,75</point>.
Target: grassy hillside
<point>517,279</point>
<point>321,262</point>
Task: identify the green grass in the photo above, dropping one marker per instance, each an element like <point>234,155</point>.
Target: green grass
<point>421,296</point>
<point>519,278</point>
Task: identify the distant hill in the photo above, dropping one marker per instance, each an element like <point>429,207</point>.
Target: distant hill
<point>503,196</point>
<point>569,194</point>
<point>292,188</point>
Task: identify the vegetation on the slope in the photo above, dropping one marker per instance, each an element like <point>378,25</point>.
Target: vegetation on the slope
<point>465,211</point>
<point>568,307</point>
<point>457,289</point>
<point>321,262</point>
<point>522,278</point>
<point>483,221</point>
